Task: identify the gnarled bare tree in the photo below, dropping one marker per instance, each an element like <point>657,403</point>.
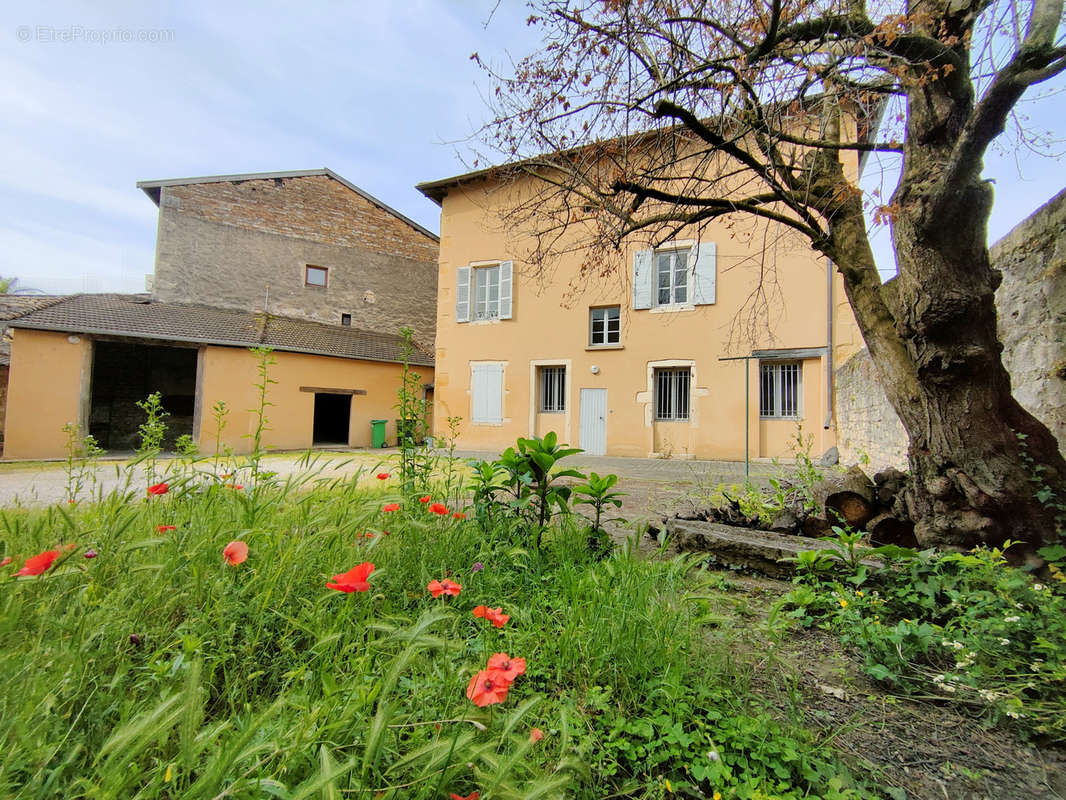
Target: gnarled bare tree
<point>640,118</point>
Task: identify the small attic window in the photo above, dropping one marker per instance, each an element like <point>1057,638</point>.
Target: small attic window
<point>346,319</point>
<point>316,277</point>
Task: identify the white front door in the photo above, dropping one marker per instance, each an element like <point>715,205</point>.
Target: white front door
<point>593,424</point>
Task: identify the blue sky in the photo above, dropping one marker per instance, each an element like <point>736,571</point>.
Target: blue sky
<point>381,93</point>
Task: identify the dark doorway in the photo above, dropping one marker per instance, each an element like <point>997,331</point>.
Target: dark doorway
<point>125,373</point>
<point>333,413</point>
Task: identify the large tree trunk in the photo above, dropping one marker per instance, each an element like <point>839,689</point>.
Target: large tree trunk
<point>974,471</point>
<point>973,448</point>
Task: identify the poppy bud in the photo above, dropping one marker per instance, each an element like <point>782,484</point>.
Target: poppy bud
<point>135,639</point>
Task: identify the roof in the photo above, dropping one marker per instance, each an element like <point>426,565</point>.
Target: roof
<point>436,190</point>
<point>16,305</point>
<point>154,188</point>
<point>140,317</point>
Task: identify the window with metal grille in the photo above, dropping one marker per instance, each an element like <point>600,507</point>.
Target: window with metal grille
<point>671,277</point>
<point>779,390</point>
<point>605,325</point>
<point>552,389</point>
<point>672,394</point>
<point>487,293</point>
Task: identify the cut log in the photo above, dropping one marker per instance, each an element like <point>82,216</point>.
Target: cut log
<point>848,499</point>
<point>887,529</point>
<point>814,527</point>
<point>889,483</point>
<point>785,521</point>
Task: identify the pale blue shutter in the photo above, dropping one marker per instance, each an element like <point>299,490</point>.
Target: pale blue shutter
<point>506,282</point>
<point>642,275</point>
<point>462,294</point>
<point>486,388</point>
<point>703,273</point>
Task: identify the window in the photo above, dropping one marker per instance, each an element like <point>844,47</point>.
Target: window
<point>671,277</point>
<point>315,276</point>
<point>486,394</point>
<point>605,326</point>
<point>487,293</point>
<point>346,319</point>
<point>779,389</point>
<point>671,394</point>
<point>552,389</point>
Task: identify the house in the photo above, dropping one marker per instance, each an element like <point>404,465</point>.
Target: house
<point>629,367</point>
<point>304,263</point>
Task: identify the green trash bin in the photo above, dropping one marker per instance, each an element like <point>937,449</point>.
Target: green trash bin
<point>377,432</point>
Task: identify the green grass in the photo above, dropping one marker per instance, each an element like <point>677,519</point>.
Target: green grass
<point>156,670</point>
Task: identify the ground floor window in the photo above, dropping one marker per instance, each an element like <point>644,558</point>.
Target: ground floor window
<point>486,394</point>
<point>672,394</point>
<point>552,389</point>
<point>779,390</point>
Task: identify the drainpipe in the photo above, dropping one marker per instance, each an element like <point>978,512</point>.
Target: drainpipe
<point>828,345</point>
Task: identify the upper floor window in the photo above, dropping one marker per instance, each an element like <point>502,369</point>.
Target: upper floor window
<point>552,389</point>
<point>316,276</point>
<point>605,325</point>
<point>483,292</point>
<point>678,276</point>
<point>672,394</point>
<point>487,292</point>
<point>779,390</point>
<point>346,319</point>
<point>671,277</point>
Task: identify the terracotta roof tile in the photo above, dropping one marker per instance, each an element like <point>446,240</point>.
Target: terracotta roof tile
<point>138,316</point>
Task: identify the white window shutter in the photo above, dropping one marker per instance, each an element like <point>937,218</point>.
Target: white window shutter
<point>642,278</point>
<point>486,388</point>
<point>462,294</point>
<point>704,256</point>
<point>506,283</point>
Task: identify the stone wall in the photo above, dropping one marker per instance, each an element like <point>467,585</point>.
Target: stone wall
<point>1031,303</point>
<point>246,244</point>
<point>1032,313</point>
<point>867,425</point>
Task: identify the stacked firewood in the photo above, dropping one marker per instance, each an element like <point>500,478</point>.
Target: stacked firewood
<point>853,500</point>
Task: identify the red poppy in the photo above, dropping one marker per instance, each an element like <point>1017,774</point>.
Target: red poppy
<point>235,553</point>
<point>236,486</point>
<point>536,734</point>
<point>425,499</point>
<point>6,561</point>
<point>493,615</point>
<point>459,515</point>
<point>471,796</point>
<point>487,688</point>
<point>165,528</point>
<point>437,588</point>
<point>391,507</point>
<point>38,564</point>
<point>354,580</point>
<point>90,553</point>
<point>383,476</point>
<point>386,533</point>
<point>439,508</point>
<point>158,488</point>
<point>226,475</point>
<point>506,668</point>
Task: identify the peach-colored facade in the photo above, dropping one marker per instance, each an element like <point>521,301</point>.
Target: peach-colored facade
<point>51,376</point>
<point>550,326</point>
